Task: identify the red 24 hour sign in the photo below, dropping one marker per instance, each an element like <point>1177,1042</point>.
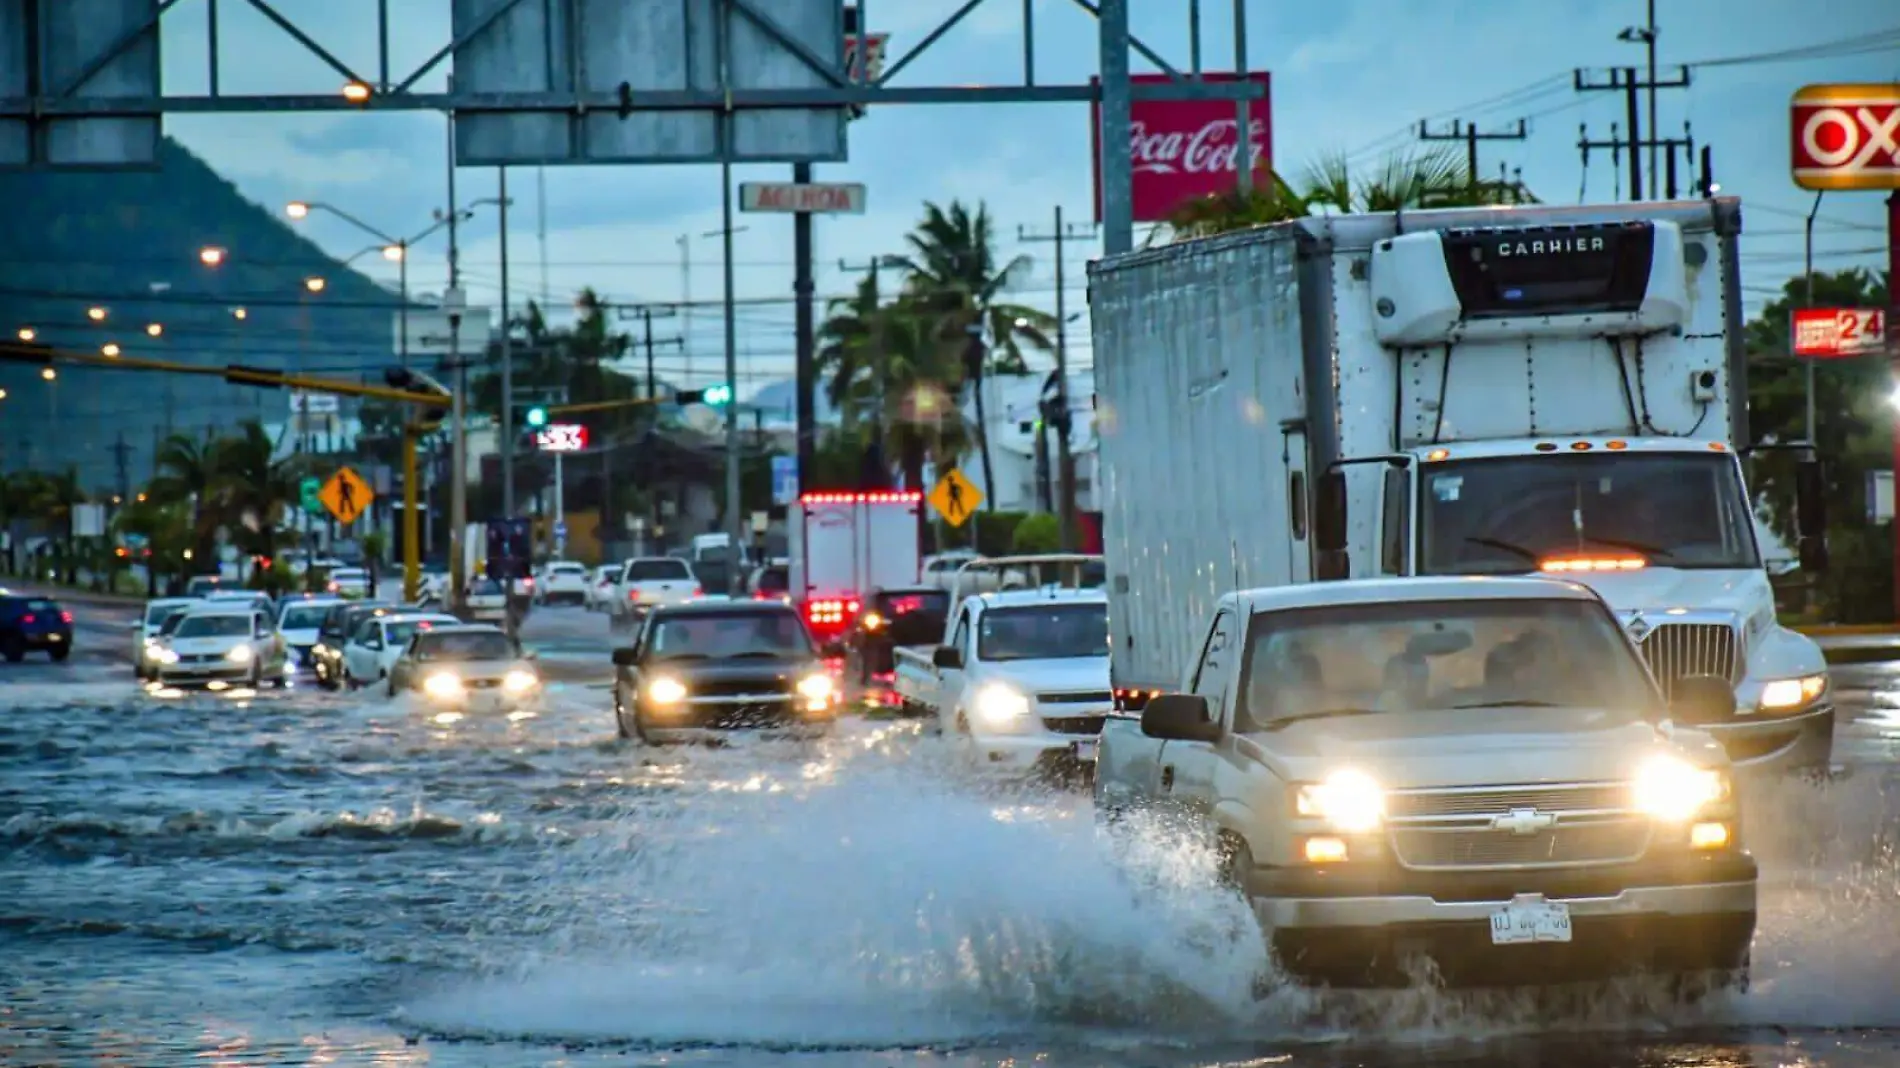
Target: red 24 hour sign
<point>1830,333</point>
<point>1846,137</point>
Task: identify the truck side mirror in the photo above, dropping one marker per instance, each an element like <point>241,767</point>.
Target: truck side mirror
<point>625,656</point>
<point>1810,511</point>
<point>947,656</point>
<point>1329,512</point>
<point>1179,717</point>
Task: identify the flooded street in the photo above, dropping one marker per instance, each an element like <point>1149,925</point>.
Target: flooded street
<point>298,877</point>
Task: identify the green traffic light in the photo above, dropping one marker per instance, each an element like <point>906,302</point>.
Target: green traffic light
<point>537,417</point>
<point>718,394</point>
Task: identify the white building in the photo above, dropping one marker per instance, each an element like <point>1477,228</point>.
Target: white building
<point>1012,407</point>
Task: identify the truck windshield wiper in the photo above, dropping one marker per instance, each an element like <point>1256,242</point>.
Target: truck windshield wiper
<point>1632,546</point>
<point>1493,543</point>
<point>1524,702</point>
<point>1322,713</point>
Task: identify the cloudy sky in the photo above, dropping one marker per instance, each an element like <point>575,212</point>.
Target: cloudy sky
<point>1353,77</point>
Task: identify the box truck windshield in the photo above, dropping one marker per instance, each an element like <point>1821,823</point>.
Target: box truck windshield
<point>1512,514</point>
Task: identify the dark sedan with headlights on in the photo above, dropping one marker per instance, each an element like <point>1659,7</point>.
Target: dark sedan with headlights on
<point>701,670</point>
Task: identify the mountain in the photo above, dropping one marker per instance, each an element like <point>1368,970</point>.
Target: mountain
<point>129,242</point>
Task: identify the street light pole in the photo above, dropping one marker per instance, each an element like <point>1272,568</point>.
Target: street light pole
<point>453,303</point>
<point>1807,301</point>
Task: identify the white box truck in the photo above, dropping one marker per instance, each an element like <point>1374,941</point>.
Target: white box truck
<point>1467,392</point>
<point>845,546</point>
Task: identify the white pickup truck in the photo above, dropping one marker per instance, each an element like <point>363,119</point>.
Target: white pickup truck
<point>1475,774</point>
<point>1021,679</point>
<point>647,582</point>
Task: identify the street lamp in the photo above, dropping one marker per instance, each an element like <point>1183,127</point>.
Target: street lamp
<point>154,329</point>
<point>96,314</point>
<point>211,256</point>
<point>48,373</point>
<point>297,209</point>
<point>314,284</point>
<point>356,92</point>
<point>110,348</point>
<point>239,313</point>
<point>27,333</point>
<point>394,253</point>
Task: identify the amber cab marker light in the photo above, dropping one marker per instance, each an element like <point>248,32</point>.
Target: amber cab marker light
<point>1325,850</point>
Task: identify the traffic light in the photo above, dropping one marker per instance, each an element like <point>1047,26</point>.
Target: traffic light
<point>713,396</point>
<point>537,416</point>
<point>427,417</point>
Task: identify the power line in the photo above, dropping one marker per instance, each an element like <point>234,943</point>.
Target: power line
<point>1627,81</point>
<point>1470,135</point>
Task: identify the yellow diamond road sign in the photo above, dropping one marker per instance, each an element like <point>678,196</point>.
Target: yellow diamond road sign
<point>955,498</point>
<point>346,495</point>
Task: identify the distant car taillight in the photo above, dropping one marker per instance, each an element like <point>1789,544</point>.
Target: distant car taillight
<point>65,617</point>
<point>28,618</point>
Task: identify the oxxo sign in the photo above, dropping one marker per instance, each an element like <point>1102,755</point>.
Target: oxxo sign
<point>1846,137</point>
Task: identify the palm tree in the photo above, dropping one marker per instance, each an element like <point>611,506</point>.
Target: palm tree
<point>1404,181</point>
<point>188,475</point>
<point>953,274</point>
<point>253,487</point>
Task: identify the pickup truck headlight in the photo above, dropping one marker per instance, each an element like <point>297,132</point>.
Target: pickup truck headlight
<point>239,655</point>
<point>666,691</point>
<point>817,691</point>
<point>999,705</point>
<point>443,685</point>
<point>1675,791</point>
<point>164,655</point>
<point>1786,695</point>
<point>1351,801</point>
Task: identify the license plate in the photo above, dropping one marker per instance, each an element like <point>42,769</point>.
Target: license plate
<point>55,638</point>
<point>1535,922</point>
<point>1086,750</point>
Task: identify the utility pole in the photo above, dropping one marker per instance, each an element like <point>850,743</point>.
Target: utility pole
<point>1065,455</point>
<point>1627,80</point>
<point>646,313</point>
<point>507,366</point>
<point>453,302</point>
<point>1670,184</point>
<point>804,328</point>
<point>1468,133</point>
<point>121,459</point>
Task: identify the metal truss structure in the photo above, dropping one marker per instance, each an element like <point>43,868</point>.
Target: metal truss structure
<point>547,81</point>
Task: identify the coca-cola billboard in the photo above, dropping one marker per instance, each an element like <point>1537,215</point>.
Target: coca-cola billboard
<point>1184,149</point>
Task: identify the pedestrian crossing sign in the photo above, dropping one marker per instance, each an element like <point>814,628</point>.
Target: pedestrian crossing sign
<point>346,495</point>
<point>955,497</point>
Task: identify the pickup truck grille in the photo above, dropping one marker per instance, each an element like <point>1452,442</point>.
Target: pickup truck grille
<point>1075,724</point>
<point>1600,841</point>
<point>1676,651</point>
<point>1533,825</point>
<point>1080,697</point>
<point>743,688</point>
<point>1501,800</point>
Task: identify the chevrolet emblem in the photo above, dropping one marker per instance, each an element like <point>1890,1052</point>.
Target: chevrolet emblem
<point>1524,821</point>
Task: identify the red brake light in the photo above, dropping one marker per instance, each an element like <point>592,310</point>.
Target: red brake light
<point>65,617</point>
<point>28,618</point>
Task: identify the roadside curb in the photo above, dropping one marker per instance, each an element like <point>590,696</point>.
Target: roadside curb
<point>1849,630</point>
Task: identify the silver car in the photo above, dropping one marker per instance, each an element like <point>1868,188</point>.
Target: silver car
<point>469,668</point>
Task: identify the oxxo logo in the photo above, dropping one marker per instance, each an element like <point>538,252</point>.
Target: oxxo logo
<point>1846,137</point>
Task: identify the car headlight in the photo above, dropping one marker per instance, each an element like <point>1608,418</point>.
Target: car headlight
<point>1674,790</point>
<point>164,655</point>
<point>1351,801</point>
<point>1784,695</point>
<point>519,681</point>
<point>817,691</point>
<point>443,684</point>
<point>999,705</point>
<point>666,691</point>
<point>239,655</point>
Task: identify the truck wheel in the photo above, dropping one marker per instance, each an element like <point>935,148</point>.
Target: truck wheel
<point>620,716</point>
<point>1236,862</point>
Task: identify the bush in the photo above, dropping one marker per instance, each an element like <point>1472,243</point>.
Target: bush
<point>1039,532</point>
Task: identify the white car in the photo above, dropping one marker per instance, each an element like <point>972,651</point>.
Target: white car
<point>561,582</point>
<point>350,583</point>
<point>380,640</point>
<point>600,587</point>
<point>242,598</point>
<point>145,630</point>
<point>473,667</point>
<point>301,622</point>
<point>221,643</point>
<point>486,601</point>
